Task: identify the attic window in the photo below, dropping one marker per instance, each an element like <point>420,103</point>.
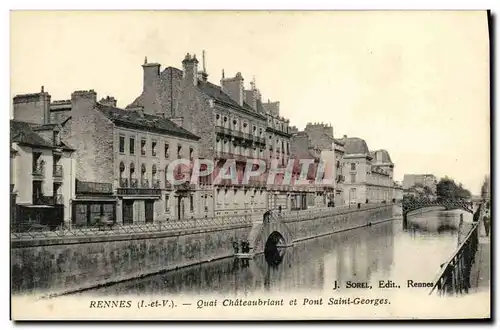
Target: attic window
<point>56,139</point>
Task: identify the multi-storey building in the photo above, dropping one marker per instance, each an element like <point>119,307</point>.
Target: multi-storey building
<point>315,194</point>
<point>420,180</point>
<point>232,122</point>
<point>122,160</point>
<point>368,175</point>
<point>42,181</point>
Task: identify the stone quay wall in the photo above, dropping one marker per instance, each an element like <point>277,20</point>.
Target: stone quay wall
<point>54,266</point>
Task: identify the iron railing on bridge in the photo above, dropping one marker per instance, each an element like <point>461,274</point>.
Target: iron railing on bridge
<point>454,276</point>
<point>37,231</point>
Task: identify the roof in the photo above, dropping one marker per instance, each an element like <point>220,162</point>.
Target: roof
<point>23,133</point>
<point>144,122</point>
<point>43,127</point>
<point>354,145</point>
<point>339,142</point>
<point>384,156</point>
<point>217,94</point>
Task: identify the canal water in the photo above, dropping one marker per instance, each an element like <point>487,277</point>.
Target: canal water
<point>387,251</point>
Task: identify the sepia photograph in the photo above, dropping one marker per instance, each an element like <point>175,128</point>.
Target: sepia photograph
<point>250,165</point>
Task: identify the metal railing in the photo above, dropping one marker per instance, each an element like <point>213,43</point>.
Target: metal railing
<point>123,182</point>
<point>323,212</point>
<point>23,231</point>
<point>39,170</point>
<point>58,199</point>
<point>454,276</point>
<point>58,171</point>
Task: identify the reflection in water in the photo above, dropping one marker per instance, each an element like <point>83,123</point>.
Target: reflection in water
<point>380,252</point>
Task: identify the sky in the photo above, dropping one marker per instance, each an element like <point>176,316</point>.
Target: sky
<point>413,83</point>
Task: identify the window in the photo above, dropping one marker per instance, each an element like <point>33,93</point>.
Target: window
<point>191,203</point>
<point>153,148</point>
<point>353,178</point>
<point>55,138</point>
<point>191,152</point>
<point>353,166</point>
<point>122,144</point>
<point>166,149</point>
<point>132,146</point>
<point>167,203</point>
<point>143,147</point>
<point>179,151</point>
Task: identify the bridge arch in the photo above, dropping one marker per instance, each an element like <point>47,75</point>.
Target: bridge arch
<point>271,231</point>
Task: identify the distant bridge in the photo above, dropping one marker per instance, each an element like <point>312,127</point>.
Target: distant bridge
<point>412,205</point>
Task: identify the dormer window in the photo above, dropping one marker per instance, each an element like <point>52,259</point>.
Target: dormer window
<point>55,138</point>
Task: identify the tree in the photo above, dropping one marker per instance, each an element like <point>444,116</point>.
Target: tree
<point>446,188</point>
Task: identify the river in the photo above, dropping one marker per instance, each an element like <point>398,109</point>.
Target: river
<point>386,251</point>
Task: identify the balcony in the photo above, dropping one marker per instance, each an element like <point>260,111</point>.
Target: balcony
<point>156,184</point>
<point>144,183</point>
<point>222,130</point>
<point>123,183</point>
<point>96,187</point>
<point>44,200</point>
<point>57,171</point>
<point>138,191</point>
<point>58,199</point>
<point>39,170</point>
<point>237,134</point>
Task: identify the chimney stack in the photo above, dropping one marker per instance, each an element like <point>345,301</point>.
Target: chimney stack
<point>190,67</point>
<point>233,87</point>
<point>32,108</point>
<point>110,101</point>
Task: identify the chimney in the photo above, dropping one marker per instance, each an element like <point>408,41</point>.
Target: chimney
<point>109,101</point>
<point>190,67</point>
<point>151,76</point>
<point>328,130</point>
<point>252,95</point>
<point>234,87</point>
<point>32,108</point>
<point>272,107</point>
<point>83,100</point>
<point>179,121</point>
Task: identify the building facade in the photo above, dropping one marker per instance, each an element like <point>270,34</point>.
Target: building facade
<point>420,180</point>
<point>42,173</point>
<point>121,162</point>
<point>368,175</point>
<point>233,124</point>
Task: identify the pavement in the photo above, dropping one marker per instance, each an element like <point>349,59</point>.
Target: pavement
<point>481,271</point>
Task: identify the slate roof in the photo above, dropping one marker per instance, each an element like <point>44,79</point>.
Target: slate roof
<point>24,133</point>
<point>386,158</point>
<point>217,94</point>
<point>144,122</point>
<point>354,145</point>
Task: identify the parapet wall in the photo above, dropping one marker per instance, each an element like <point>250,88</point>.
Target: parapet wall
<point>62,265</point>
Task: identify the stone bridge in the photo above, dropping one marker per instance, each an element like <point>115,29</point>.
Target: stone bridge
<point>270,231</point>
<point>277,230</point>
<point>412,205</point>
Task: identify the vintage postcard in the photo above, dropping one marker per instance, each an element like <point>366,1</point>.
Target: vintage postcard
<point>250,165</point>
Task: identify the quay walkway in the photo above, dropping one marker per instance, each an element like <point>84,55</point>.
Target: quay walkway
<point>480,272</point>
